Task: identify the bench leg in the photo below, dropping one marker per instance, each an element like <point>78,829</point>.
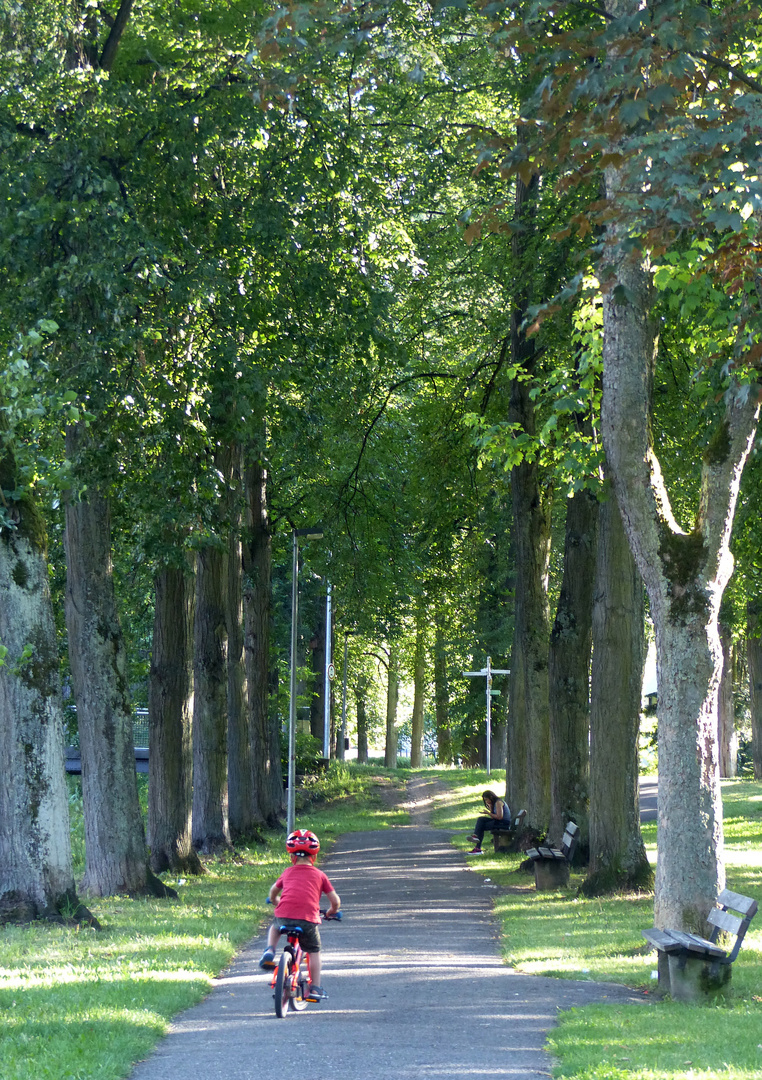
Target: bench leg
<point>693,978</point>
<point>550,874</point>
<point>504,840</point>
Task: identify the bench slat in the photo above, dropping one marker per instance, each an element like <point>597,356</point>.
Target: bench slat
<point>661,939</point>
<point>724,920</point>
<point>696,944</point>
<point>734,900</point>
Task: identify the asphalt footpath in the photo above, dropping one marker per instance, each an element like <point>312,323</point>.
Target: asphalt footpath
<point>417,987</point>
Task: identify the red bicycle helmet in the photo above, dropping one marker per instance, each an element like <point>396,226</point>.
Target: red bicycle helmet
<point>302,842</point>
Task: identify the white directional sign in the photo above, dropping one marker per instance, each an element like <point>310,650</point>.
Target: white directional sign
<point>487,672</point>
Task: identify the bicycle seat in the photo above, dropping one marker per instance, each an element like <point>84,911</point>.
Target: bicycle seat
<point>291,930</point>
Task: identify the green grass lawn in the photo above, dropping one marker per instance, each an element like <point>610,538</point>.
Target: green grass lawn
<point>80,1004</point>
<point>77,1004</point>
<point>567,936</point>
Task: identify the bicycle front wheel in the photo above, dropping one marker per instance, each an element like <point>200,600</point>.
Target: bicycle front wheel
<point>282,985</point>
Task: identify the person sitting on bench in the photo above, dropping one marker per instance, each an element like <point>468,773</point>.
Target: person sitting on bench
<point>499,813</point>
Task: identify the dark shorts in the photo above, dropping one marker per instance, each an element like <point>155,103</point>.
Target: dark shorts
<point>310,937</point>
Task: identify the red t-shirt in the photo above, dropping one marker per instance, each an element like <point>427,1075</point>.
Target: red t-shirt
<point>303,885</point>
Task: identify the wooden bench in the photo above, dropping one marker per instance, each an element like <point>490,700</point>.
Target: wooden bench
<point>551,864</point>
<point>693,968</point>
<point>504,833</point>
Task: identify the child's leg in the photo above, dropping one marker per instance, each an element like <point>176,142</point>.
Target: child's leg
<point>315,968</point>
<point>273,935</point>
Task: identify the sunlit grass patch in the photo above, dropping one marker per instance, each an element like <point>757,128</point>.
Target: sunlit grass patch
<point>668,1042</point>
<point>77,1003</point>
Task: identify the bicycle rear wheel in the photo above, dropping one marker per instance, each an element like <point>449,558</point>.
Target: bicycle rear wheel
<point>282,988</point>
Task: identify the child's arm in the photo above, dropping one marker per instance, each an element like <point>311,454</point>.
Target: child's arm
<point>334,900</point>
<point>275,893</point>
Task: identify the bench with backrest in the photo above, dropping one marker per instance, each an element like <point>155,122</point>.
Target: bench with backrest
<point>551,864</point>
<point>694,968</point>
<point>505,833</point>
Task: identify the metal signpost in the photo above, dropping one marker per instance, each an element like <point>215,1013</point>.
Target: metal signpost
<point>488,671</point>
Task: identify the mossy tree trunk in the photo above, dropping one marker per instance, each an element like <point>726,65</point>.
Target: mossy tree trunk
<point>170,714</point>
<point>569,671</point>
<point>618,858</point>
<point>36,876</point>
<point>115,845</point>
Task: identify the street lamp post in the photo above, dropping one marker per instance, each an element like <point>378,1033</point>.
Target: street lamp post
<point>307,534</point>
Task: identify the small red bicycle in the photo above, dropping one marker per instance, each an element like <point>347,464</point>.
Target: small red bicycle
<point>290,981</point>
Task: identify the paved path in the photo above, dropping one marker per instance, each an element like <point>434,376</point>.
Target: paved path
<point>417,988</point>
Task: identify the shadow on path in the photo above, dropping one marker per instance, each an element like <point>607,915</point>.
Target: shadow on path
<point>416,981</point>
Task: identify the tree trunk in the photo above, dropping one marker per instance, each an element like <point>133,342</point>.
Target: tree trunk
<point>685,575</point>
<point>242,808</point>
<point>211,831</point>
<point>317,664</point>
<point>569,672</point>
<point>441,693</point>
<point>754,659</point>
<point>392,695</point>
<point>528,768</point>
<point>36,877</point>
<point>725,713</point>
<point>528,750</point>
<point>618,858</point>
<point>257,566</point>
<point>419,687</point>
<point>115,846</point>
<point>170,711</point>
<point>361,703</point>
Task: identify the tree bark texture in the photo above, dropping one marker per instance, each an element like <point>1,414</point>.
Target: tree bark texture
<point>441,693</point>
<point>618,858</point>
<point>115,846</point>
<point>685,574</point>
<point>36,875</point>
<point>170,715</point>
<point>419,687</point>
<point>392,696</point>
<point>569,671</point>
<point>317,666</point>
<point>361,705</point>
<point>257,567</point>
<point>725,712</point>
<point>211,831</point>
<point>754,659</point>
<point>242,809</point>
<point>528,750</point>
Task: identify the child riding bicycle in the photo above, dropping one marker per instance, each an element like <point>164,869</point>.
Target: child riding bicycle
<point>296,895</point>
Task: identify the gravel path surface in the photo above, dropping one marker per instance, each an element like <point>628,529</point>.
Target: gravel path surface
<point>417,987</point>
